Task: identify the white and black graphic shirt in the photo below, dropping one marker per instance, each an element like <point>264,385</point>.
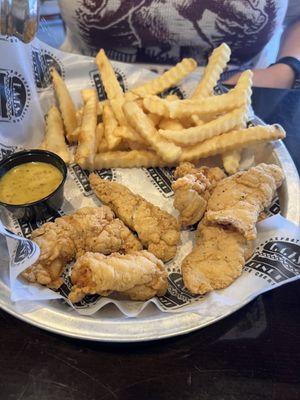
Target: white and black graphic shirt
<point>164,31</point>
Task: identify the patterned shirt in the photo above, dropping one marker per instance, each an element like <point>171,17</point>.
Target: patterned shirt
<point>165,31</point>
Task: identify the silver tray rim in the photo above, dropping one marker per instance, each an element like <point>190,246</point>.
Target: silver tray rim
<point>162,325</point>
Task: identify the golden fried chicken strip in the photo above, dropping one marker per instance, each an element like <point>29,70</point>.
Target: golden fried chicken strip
<point>157,230</point>
<point>88,229</point>
<point>188,200</point>
<point>239,199</point>
<point>140,275</point>
<point>95,229</point>
<point>56,250</point>
<point>216,260</point>
<point>192,190</point>
<point>185,168</point>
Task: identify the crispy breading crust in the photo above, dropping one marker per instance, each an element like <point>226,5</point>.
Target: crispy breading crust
<point>157,230</point>
<point>239,199</point>
<point>88,229</point>
<point>226,235</point>
<point>216,260</point>
<point>192,190</point>
<point>140,275</point>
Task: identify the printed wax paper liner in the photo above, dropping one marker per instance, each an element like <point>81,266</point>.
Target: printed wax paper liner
<point>26,95</point>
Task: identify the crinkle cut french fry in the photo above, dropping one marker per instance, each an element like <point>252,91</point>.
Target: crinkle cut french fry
<point>73,137</point>
<point>171,124</point>
<point>110,124</point>
<point>172,97</point>
<point>237,97</point>
<point>168,151</point>
<point>231,161</point>
<point>116,105</point>
<point>129,159</point>
<point>124,130</point>
<point>79,114</point>
<point>185,108</point>
<point>99,136</point>
<point>127,133</point>
<point>156,105</point>
<point>186,122</point>
<point>140,103</point>
<point>196,134</point>
<point>243,86</point>
<point>102,146</point>
<point>86,148</point>
<point>54,136</point>
<point>129,96</point>
<point>197,121</point>
<point>154,118</point>
<point>209,105</point>
<point>87,93</point>
<point>231,141</point>
<point>65,102</point>
<point>167,79</point>
<point>109,79</point>
<point>216,64</point>
<point>100,107</point>
<point>132,145</point>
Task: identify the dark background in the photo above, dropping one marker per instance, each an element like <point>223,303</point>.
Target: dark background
<point>253,354</point>
<point>282,107</point>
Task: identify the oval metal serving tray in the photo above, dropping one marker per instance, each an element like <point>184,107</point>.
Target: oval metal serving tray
<point>109,324</point>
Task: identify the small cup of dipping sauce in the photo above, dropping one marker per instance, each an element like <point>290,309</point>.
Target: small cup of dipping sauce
<point>32,183</point>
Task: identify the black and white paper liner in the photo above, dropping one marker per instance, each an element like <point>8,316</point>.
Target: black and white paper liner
<point>275,262</point>
<point>27,97</point>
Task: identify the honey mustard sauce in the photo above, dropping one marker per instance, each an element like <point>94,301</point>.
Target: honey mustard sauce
<point>29,182</point>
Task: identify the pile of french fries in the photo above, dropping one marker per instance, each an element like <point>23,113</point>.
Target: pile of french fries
<point>140,129</point>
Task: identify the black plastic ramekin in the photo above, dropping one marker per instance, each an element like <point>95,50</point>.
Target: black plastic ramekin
<point>42,208</point>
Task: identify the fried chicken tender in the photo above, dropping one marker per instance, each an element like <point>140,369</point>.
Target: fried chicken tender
<point>139,275</point>
<point>185,168</point>
<point>88,229</point>
<point>157,230</point>
<point>239,199</point>
<point>192,191</point>
<point>217,259</point>
<point>226,235</point>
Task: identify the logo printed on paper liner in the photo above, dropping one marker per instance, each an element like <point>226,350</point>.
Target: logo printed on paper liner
<point>65,289</point>
<point>274,207</point>
<point>177,294</point>
<point>8,38</point>
<point>14,96</point>
<point>173,90</point>
<point>27,227</point>
<point>6,150</point>
<point>24,250</point>
<point>276,260</point>
<point>96,80</point>
<point>43,60</point>
<point>81,177</point>
<point>162,179</point>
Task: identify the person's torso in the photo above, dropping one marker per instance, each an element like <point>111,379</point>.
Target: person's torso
<point>164,31</point>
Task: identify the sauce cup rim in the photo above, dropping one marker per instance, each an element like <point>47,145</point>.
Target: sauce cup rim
<point>29,153</point>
